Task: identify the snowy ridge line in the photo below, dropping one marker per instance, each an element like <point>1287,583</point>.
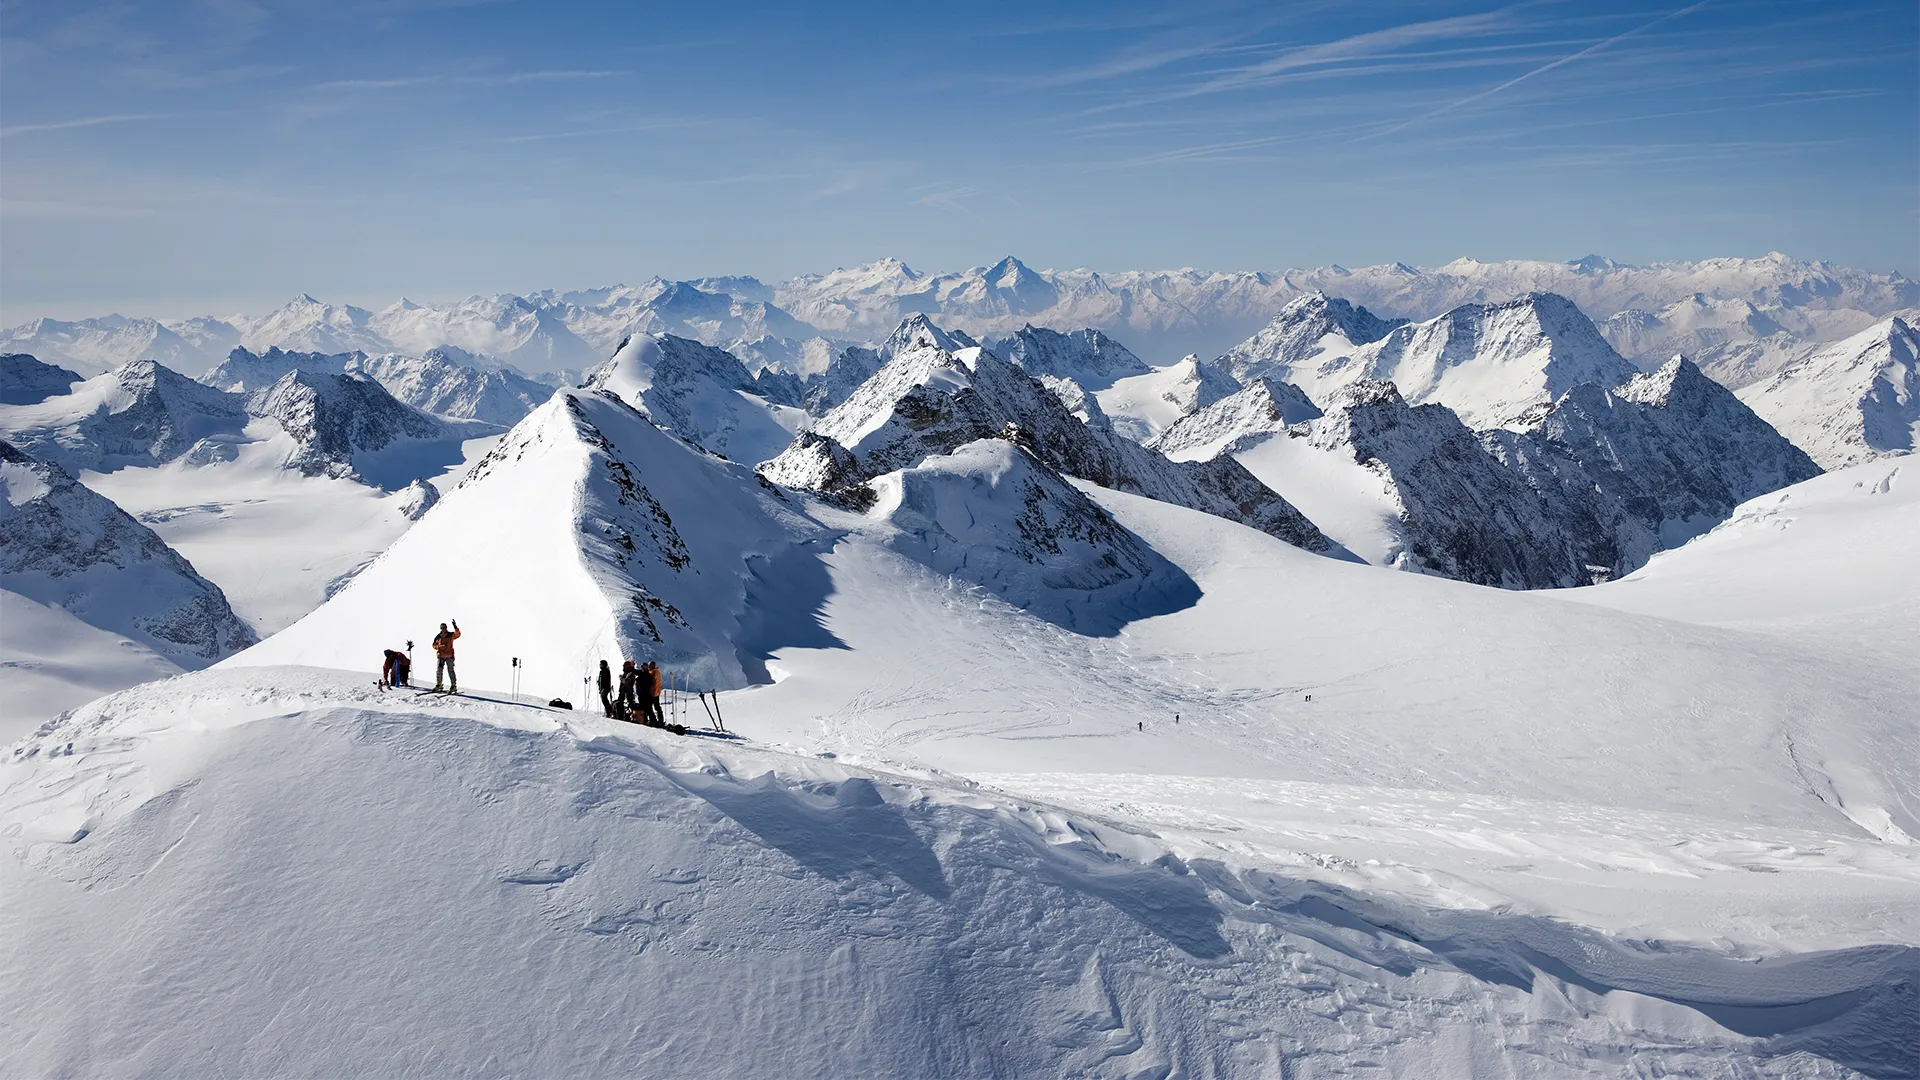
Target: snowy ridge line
<point>94,779</point>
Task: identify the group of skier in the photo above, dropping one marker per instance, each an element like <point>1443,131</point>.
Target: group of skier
<point>636,695</point>
<point>396,667</point>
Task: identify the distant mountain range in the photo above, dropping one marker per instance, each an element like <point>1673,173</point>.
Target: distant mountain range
<point>1718,311</point>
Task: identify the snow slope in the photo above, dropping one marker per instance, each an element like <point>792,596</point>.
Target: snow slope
<point>140,413</point>
<point>1490,363</point>
<point>603,562</point>
<point>1828,561</point>
<point>24,380</point>
<point>1850,401</point>
<point>701,393</point>
<point>93,596</point>
<point>278,543</point>
<point>717,910</point>
<point>1141,406</point>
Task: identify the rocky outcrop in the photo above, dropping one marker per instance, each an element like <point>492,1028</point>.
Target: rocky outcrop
<point>1086,356</point>
<point>335,418</point>
<point>1648,465</point>
<point>24,380</point>
<point>65,546</point>
<point>140,413</point>
<point>938,393</point>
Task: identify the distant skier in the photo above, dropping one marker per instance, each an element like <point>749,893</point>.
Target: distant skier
<point>397,670</point>
<point>606,689</point>
<point>443,650</point>
<point>650,685</point>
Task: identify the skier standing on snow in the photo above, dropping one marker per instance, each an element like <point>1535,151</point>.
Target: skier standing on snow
<point>606,689</point>
<point>629,690</point>
<point>650,685</point>
<point>395,670</point>
<point>443,650</point>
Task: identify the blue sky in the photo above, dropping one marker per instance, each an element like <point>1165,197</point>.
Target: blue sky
<point>179,158</point>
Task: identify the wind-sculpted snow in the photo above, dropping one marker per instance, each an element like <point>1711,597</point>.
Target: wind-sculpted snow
<point>65,547</point>
<point>702,394</point>
<point>587,533</point>
<point>1086,356</point>
<point>992,514</point>
<point>1849,402</point>
<point>24,380</point>
<point>711,909</point>
<point>938,393</point>
<point>140,413</point>
<point>1649,465</point>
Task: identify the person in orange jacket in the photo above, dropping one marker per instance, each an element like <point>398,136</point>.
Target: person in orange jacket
<point>650,685</point>
<point>443,649</point>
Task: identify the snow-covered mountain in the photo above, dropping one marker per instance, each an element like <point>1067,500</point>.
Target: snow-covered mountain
<point>1141,406</point>
<point>1492,364</point>
<point>140,413</point>
<point>1850,401</point>
<point>1297,338</point>
<point>349,426</point>
<point>24,380</point>
<point>938,391</point>
<point>451,383</point>
<point>1585,489</point>
<point>798,325</point>
<point>993,514</point>
<point>304,324</point>
<point>1168,313</point>
<point>629,544</point>
<point>511,329</point>
<point>1086,356</point>
<point>245,371</point>
<point>1647,466</point>
<point>63,546</point>
<point>702,394</point>
<point>95,346</point>
<point>446,381</point>
<point>1452,830</point>
<point>1453,510</point>
<point>1266,407</point>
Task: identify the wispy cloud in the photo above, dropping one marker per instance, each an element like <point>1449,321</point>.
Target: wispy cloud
<point>948,200</point>
<point>502,79</point>
<point>602,132</point>
<point>82,122</point>
<point>1542,69</point>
